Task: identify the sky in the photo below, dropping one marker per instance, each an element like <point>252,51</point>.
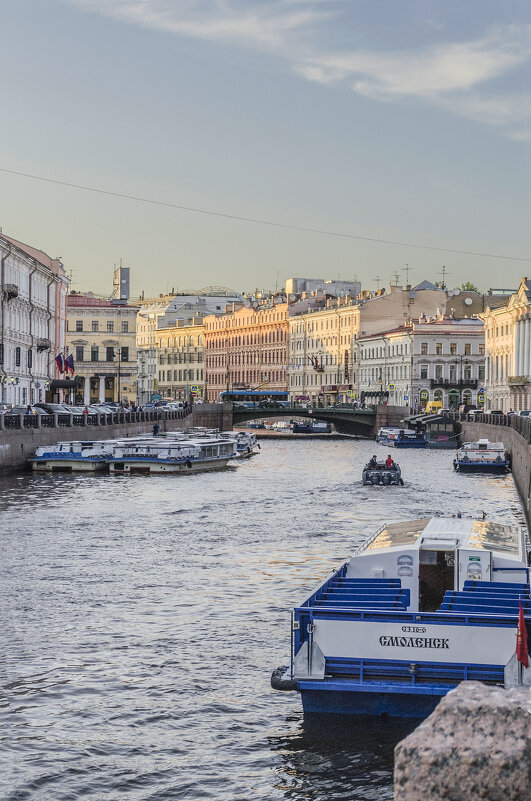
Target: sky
<point>405,121</point>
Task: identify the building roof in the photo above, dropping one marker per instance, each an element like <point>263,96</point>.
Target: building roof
<point>418,326</point>
<point>425,285</point>
<point>39,255</point>
<point>91,301</point>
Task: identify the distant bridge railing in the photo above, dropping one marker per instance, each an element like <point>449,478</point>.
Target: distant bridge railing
<point>16,422</point>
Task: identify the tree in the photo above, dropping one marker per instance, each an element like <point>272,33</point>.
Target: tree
<point>468,286</point>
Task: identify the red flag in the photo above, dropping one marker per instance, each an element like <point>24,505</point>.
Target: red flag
<point>521,638</point>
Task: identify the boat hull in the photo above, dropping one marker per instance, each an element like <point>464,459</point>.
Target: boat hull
<point>481,467</point>
<point>394,704</point>
<point>50,465</point>
<point>405,444</point>
<point>158,466</point>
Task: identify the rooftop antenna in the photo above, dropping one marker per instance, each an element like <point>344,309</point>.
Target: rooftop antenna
<point>396,276</point>
<point>276,283</point>
<point>444,272</point>
<point>377,279</point>
<point>407,268</point>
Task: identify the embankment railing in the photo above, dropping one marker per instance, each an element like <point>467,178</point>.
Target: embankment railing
<point>16,422</point>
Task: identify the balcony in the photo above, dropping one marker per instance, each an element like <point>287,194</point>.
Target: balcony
<point>447,383</point>
<point>11,291</point>
<point>517,380</point>
<point>43,344</point>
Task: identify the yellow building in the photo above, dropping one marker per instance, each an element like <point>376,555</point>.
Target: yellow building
<point>180,356</point>
<point>101,336</point>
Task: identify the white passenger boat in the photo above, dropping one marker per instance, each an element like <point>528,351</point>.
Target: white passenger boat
<point>419,607</point>
<point>161,455</point>
<point>482,457</point>
<point>386,434</point>
<point>77,457</point>
<point>246,444</point>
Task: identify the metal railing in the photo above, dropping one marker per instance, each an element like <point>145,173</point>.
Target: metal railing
<point>520,424</point>
<point>17,422</point>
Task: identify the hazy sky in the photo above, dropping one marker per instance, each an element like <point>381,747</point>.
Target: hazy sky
<point>403,120</point>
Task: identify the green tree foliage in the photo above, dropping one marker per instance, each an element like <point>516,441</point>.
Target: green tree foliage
<point>468,286</point>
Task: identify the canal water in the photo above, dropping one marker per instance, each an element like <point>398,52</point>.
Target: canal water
<point>142,616</point>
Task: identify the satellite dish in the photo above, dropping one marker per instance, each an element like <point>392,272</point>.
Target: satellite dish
<point>468,301</point>
<point>292,297</point>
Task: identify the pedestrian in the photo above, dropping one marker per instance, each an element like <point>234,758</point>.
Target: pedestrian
<point>156,430</point>
<point>459,514</point>
<point>85,410</point>
<point>29,410</point>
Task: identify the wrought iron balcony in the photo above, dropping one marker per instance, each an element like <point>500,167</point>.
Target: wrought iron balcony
<point>43,344</point>
<point>448,383</point>
<point>517,380</point>
<point>11,291</point>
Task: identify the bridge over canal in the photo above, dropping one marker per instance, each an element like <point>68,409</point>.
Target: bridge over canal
<point>347,420</point>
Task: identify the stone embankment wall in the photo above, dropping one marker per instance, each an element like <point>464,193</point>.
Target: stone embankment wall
<point>18,443</point>
<point>517,444</point>
<point>475,746</point>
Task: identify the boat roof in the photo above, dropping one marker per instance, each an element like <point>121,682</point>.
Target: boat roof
<point>484,444</point>
<point>447,533</point>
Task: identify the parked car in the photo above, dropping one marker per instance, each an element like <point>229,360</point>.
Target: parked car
<point>256,424</point>
<point>524,413</point>
<point>495,411</point>
<point>467,407</point>
<point>24,410</point>
<point>444,411</point>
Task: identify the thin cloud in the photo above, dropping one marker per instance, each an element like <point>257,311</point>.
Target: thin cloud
<point>454,76</point>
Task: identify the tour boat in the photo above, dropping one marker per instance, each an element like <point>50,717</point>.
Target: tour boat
<point>482,457</point>
<point>405,438</point>
<point>381,474</point>
<point>420,606</point>
<point>194,455</point>
<point>386,434</point>
<point>246,444</point>
<point>68,457</point>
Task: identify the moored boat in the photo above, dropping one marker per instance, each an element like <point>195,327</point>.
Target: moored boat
<point>192,455</point>
<point>69,457</point>
<point>420,606</point>
<point>482,457</point>
<point>386,434</point>
<point>405,438</point>
<point>246,444</point>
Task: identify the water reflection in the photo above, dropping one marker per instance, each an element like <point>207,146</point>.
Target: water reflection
<point>141,619</point>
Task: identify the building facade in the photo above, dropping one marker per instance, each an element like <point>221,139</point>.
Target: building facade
<point>247,348</point>
<point>33,289</point>
<point>102,339</point>
<point>168,312</point>
<point>323,365</point>
<point>508,352</point>
<point>181,368</point>
<point>430,359</point>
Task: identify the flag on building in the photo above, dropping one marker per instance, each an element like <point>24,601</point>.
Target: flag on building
<point>60,363</point>
<point>521,638</point>
<point>69,364</point>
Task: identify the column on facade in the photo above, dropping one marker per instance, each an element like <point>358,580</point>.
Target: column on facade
<point>527,342</point>
<point>521,348</point>
<point>86,391</point>
<point>102,389</point>
<point>516,351</point>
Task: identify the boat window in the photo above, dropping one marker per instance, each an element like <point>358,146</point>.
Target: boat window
<point>398,534</point>
<point>491,536</point>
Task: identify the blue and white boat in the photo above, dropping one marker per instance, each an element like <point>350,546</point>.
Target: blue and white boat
<point>420,606</point>
<point>76,456</point>
<point>482,457</point>
<point>172,455</point>
<point>386,434</point>
<point>406,438</point>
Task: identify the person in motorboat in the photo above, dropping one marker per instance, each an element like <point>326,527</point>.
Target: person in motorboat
<point>373,462</point>
<point>389,462</point>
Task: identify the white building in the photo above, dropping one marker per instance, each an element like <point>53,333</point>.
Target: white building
<point>323,359</point>
<point>33,290</point>
<point>508,350</point>
<point>429,359</point>
<point>300,286</point>
<point>165,313</point>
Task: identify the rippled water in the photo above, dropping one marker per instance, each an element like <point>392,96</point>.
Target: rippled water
<point>142,616</point>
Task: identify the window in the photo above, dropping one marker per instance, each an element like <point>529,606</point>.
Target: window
<point>467,349</point>
<point>453,349</point>
<point>161,359</point>
<point>423,348</point>
<point>95,326</point>
<point>467,372</point>
<point>94,353</point>
<point>30,359</point>
<point>481,372</point>
<point>110,326</point>
<point>482,350</point>
<point>79,353</point>
<point>17,357</point>
<point>1,353</point>
<point>124,354</point>
<point>438,349</point>
<point>453,373</point>
<point>423,370</point>
<point>79,325</point>
<point>125,326</point>
<point>438,372</point>
<point>109,354</point>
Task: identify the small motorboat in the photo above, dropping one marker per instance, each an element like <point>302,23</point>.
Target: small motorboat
<point>406,438</point>
<point>246,444</point>
<point>381,474</point>
<point>482,457</point>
